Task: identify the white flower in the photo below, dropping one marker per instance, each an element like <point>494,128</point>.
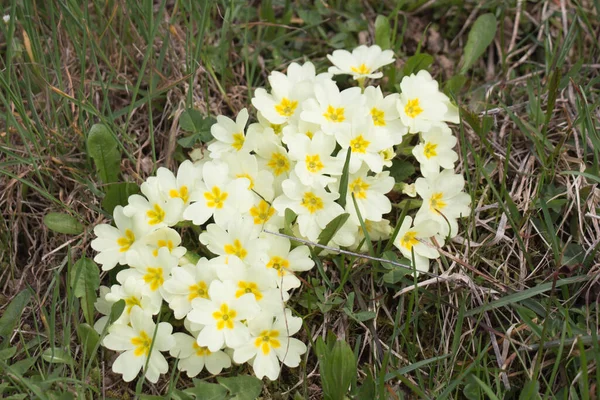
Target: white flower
<point>409,242</point>
<point>165,237</point>
<point>246,166</point>
<point>271,344</point>
<point>133,293</point>
<point>377,231</point>
<point>137,341</point>
<point>151,271</point>
<point>388,155</point>
<point>221,316</point>
<point>264,216</point>
<point>315,207</point>
<point>301,128</point>
<point>364,143</point>
<point>103,306</point>
<point>6,19</point>
<point>370,194</point>
<point>282,263</point>
<point>263,131</point>
<point>435,150</point>
<point>274,158</point>
<point>332,109</point>
<point>313,159</point>
<point>409,189</point>
<point>113,244</point>
<point>361,63</point>
<point>241,239</point>
<point>193,358</point>
<point>182,186</point>
<point>187,283</point>
<point>157,210</point>
<point>384,114</point>
<point>443,200</point>
<point>229,135</point>
<point>422,105</point>
<point>282,104</point>
<point>219,196</point>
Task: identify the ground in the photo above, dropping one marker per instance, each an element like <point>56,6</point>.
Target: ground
<point>515,312</point>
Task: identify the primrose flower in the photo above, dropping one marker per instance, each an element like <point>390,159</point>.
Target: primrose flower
<point>246,166</point>
<point>361,63</point>
<point>422,105</point>
<point>377,231</point>
<point>149,270</point>
<point>410,242</point>
<point>364,143</point>
<point>221,314</point>
<point>282,263</point>
<point>332,109</point>
<point>315,207</point>
<point>313,159</point>
<point>435,150</point>
<point>193,358</point>
<point>229,135</point>
<point>275,159</point>
<point>181,186</point>
<point>157,210</point>
<point>270,343</point>
<point>167,238</point>
<point>218,196</point>
<point>141,341</point>
<point>283,103</point>
<point>134,295</point>
<point>113,244</point>
<point>383,111</point>
<point>443,200</point>
<point>264,216</point>
<point>187,283</point>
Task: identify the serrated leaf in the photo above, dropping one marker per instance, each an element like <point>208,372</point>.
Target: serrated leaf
<point>56,355</point>
<point>88,338</point>
<point>207,391</point>
<point>480,37</point>
<point>102,147</point>
<point>401,170</point>
<point>12,313</point>
<point>242,387</point>
<point>117,194</point>
<point>63,223</point>
<point>192,120</point>
<point>382,32</point>
<point>331,228</point>
<point>416,63</point>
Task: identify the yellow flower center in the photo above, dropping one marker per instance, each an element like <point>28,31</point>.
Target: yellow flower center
<point>262,212</point>
<point>277,128</point>
<point>238,141</point>
<point>429,150</point>
<point>236,249</point>
<point>313,163</point>
<point>224,317</point>
<point>201,351</point>
<point>312,202</point>
<point>215,198</point>
<point>247,176</point>
<point>359,188</point>
<point>388,154</point>
<point>156,215</point>
<point>248,287</point>
<point>334,114</point>
<point>163,243</point>
<point>412,108</point>
<point>154,277</point>
<point>286,108</point>
<point>142,344</point>
<point>198,289</point>
<point>182,193</point>
<point>409,240</point>
<point>310,134</point>
<point>130,302</point>
<point>267,340</point>
<point>361,69</point>
<point>359,144</point>
<point>126,241</point>
<point>378,117</point>
<point>279,264</point>
<point>436,203</point>
<point>279,163</point>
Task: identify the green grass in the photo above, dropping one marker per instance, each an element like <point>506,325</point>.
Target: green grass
<point>519,312</point>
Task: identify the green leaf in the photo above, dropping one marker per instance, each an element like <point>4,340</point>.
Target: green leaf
<point>56,355</point>
<point>382,32</point>
<point>455,84</point>
<point>531,391</point>
<point>480,37</point>
<point>115,311</point>
<point>207,391</point>
<point>88,338</point>
<point>242,387</point>
<point>288,220</point>
<point>63,223</point>
<point>331,228</point>
<point>12,313</point>
<point>192,120</point>
<point>416,63</point>
<point>180,395</point>
<point>344,180</point>
<point>337,367</point>
<point>401,170</point>
<point>85,278</point>
<point>7,353</point>
<point>102,147</point>
<point>117,194</point>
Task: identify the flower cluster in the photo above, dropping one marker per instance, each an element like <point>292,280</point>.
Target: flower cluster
<point>234,304</point>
